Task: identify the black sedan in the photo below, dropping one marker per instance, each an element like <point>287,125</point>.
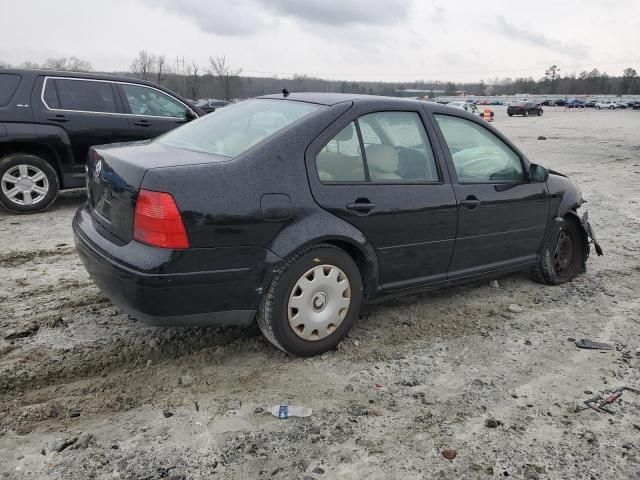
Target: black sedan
<point>296,210</point>
<point>524,108</point>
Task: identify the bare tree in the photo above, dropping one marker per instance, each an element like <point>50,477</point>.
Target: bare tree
<point>552,75</point>
<point>4,64</point>
<point>143,65</point>
<point>55,63</point>
<point>192,75</point>
<point>224,74</point>
<point>161,67</point>
<point>30,65</point>
<point>76,64</point>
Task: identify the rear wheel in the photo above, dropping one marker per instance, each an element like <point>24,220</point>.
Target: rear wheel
<point>312,302</point>
<point>526,113</point>
<point>562,257</point>
<point>27,183</point>
<point>539,112</point>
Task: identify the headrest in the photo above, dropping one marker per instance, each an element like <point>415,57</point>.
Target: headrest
<point>345,134</point>
<point>382,158</point>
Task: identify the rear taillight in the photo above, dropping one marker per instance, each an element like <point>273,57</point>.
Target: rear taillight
<point>158,222</point>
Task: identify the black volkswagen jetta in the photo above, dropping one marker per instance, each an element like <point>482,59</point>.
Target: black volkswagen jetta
<point>297,209</point>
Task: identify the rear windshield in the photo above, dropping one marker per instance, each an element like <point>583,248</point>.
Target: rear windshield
<point>8,86</point>
<point>236,128</point>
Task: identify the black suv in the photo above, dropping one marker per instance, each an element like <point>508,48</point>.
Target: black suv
<point>49,119</point>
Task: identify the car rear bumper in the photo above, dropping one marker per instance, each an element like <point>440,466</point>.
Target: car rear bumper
<point>150,285</point>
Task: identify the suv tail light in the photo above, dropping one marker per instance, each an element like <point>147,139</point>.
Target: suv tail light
<point>157,221</point>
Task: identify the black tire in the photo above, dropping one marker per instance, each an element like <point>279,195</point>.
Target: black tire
<point>510,114</point>
<point>598,108</point>
<point>539,112</point>
<point>553,267</point>
<point>526,113</point>
<point>273,317</point>
<point>49,185</point>
<point>612,107</point>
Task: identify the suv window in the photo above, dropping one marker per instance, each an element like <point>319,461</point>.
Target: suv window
<point>8,86</point>
<point>341,160</point>
<point>79,95</point>
<point>403,152</point>
<point>149,101</point>
<point>478,155</point>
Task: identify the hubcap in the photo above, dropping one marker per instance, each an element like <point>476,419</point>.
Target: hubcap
<point>563,257</point>
<point>319,302</point>
<point>24,184</point>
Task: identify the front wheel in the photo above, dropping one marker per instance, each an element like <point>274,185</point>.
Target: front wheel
<point>312,302</point>
<point>563,255</point>
<point>526,113</point>
<point>28,183</point>
<point>539,112</point>
<point>598,108</point>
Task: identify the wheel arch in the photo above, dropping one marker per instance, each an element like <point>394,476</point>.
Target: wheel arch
<point>33,148</point>
<point>336,232</point>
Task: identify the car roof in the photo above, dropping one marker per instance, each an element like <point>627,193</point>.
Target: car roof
<point>87,75</point>
<point>330,99</point>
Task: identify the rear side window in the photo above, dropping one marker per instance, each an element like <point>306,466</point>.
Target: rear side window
<point>8,86</point>
<point>341,160</point>
<point>395,146</point>
<point>152,102</point>
<point>79,95</point>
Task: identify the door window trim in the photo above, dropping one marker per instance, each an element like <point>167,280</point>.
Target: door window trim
<point>367,180</point>
<point>449,158</point>
<point>113,83</point>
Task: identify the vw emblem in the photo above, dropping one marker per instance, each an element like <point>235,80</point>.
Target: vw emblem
<point>97,170</point>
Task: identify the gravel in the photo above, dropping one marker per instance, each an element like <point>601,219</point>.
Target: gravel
<point>194,403</point>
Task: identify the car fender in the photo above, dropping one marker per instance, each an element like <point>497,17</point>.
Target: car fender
<point>323,227</point>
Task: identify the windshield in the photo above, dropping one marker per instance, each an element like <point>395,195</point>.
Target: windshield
<point>236,128</point>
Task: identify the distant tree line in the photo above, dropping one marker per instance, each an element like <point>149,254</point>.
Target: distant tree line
<point>219,80</point>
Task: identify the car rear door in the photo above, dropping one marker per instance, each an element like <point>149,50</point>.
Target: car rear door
<point>88,110</point>
<point>379,171</point>
<point>502,216</point>
<point>150,111</point>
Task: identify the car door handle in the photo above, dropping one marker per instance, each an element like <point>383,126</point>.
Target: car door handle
<point>59,118</point>
<point>362,206</point>
<point>142,123</point>
<point>470,202</point>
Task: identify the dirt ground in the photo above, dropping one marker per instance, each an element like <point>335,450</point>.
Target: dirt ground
<point>86,392</point>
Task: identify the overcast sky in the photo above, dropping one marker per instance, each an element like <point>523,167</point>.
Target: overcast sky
<point>340,39</point>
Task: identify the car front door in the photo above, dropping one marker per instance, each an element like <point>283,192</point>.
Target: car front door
<point>502,216</point>
<point>87,110</point>
<point>150,111</point>
<point>380,172</point>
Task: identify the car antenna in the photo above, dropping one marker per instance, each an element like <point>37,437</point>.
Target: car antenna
<point>285,92</point>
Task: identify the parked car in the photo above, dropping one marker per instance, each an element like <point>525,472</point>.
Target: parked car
<point>575,104</point>
<point>524,108</point>
<point>297,209</point>
<point>209,106</point>
<point>606,104</point>
<point>621,105</point>
<point>636,105</point>
<point>471,108</point>
<point>48,121</point>
<point>590,103</point>
<point>548,103</point>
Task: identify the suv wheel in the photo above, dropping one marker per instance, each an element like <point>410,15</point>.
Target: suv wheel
<point>312,302</point>
<point>27,183</point>
<point>563,256</point>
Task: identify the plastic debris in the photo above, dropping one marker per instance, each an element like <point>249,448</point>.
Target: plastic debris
<point>286,411</point>
<point>591,345</point>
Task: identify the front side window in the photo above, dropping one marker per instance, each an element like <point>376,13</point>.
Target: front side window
<point>149,101</point>
<point>478,155</point>
<point>79,95</point>
<point>238,127</point>
<point>341,159</point>
<point>8,86</point>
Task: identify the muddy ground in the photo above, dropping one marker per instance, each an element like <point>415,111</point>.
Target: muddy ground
<point>86,392</point>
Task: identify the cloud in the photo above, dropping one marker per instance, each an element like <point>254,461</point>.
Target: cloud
<point>229,18</point>
<point>342,12</point>
<point>529,36</point>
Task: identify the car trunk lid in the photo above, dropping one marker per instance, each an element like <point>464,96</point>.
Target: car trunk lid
<point>115,174</point>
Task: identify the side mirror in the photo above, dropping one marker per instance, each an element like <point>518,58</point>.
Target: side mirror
<point>537,173</point>
<point>190,115</point>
